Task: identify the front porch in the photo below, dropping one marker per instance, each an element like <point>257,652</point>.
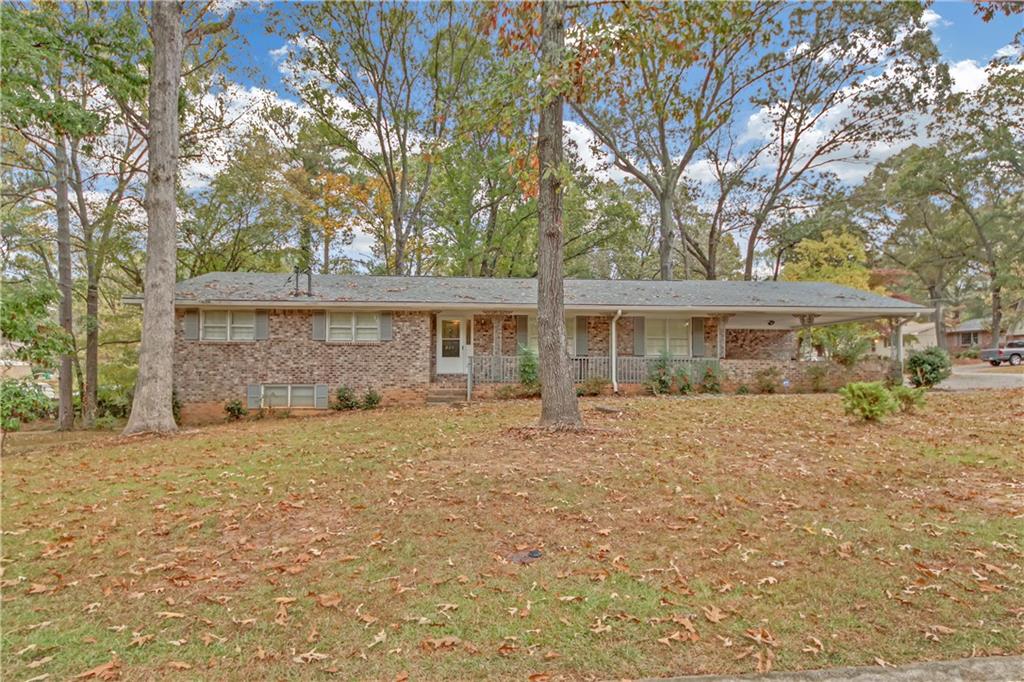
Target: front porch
<point>504,369</point>
<point>477,350</point>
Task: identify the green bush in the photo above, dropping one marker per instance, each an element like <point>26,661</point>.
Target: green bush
<point>659,377</point>
<point>684,385</point>
<point>529,367</point>
<point>846,345</point>
<point>971,353</point>
<point>22,402</point>
<point>345,399</point>
<point>592,386</point>
<point>767,379</point>
<point>176,406</point>
<point>235,410</point>
<point>908,398</point>
<point>742,390</point>
<point>711,382</point>
<point>868,400</point>
<point>113,401</point>
<point>817,375</point>
<point>371,399</point>
<point>929,366</point>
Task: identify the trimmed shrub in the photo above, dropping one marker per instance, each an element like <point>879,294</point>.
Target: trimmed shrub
<point>817,375</point>
<point>868,400</point>
<point>235,410</point>
<point>176,406</point>
<point>684,385</point>
<point>768,379</point>
<point>22,402</point>
<point>742,390</point>
<point>592,386</point>
<point>516,391</point>
<point>908,398</point>
<point>847,346</point>
<point>711,382</point>
<point>371,399</point>
<point>345,399</point>
<point>529,367</point>
<point>659,378</point>
<point>929,366</point>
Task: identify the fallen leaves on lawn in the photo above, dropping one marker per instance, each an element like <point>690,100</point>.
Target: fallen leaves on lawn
<point>110,670</point>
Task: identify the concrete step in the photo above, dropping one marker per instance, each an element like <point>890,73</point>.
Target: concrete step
<point>445,399</point>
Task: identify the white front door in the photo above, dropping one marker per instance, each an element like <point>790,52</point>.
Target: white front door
<point>454,343</point>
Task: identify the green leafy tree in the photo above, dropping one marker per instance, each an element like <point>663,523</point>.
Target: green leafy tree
<point>26,323</point>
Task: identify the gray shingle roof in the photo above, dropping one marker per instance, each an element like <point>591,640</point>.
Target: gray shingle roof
<point>437,292</point>
<point>983,324</point>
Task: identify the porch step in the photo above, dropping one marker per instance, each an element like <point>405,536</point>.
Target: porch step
<point>446,394</point>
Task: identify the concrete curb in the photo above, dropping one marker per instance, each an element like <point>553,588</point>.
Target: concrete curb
<point>992,669</point>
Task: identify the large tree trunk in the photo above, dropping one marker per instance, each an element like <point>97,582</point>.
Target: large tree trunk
<point>997,312</point>
<point>940,318</point>
<point>559,407</point>
<point>151,409</point>
<point>665,230</point>
<point>92,347</point>
<point>66,407</point>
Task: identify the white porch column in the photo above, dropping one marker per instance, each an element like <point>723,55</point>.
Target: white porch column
<point>806,348</point>
<point>897,343</point>
<point>720,350</point>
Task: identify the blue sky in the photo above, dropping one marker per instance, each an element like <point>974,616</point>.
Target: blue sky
<point>961,36</point>
<point>965,42</point>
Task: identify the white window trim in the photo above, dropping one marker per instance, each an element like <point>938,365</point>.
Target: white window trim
<point>532,334</point>
<point>353,326</point>
<point>229,332</point>
<point>649,320</point>
<point>263,401</point>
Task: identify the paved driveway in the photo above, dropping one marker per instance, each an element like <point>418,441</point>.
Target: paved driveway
<point>967,377</point>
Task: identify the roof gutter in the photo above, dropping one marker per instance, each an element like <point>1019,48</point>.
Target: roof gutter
<point>517,307</point>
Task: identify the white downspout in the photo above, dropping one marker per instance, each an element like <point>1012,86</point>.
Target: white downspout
<point>615,352</point>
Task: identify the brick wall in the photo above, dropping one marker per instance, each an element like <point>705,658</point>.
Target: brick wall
<point>736,373</point>
<point>212,371</point>
<point>760,344</point>
<point>740,344</point>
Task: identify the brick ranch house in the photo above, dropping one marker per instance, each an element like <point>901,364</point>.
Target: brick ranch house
<point>976,334</point>
<point>274,342</point>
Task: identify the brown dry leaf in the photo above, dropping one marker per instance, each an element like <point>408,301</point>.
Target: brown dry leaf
<point>167,615</point>
<point>139,640</point>
<point>39,588</point>
<point>379,638</point>
<point>310,656</point>
<point>539,677</point>
<point>764,660</point>
<point>179,665</point>
<point>815,646</point>
<point>110,670</point>
<point>604,532</point>
<point>39,661</point>
<point>552,655</point>
<point>761,636</point>
<point>328,600</point>
<point>441,643</point>
<point>714,614</point>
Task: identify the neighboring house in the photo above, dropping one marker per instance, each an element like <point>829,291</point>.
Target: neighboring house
<point>916,336</point>
<point>272,342</point>
<point>977,334</point>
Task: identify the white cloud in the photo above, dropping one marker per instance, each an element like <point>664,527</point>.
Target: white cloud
<point>931,18</point>
<point>1011,50</point>
<point>967,75</point>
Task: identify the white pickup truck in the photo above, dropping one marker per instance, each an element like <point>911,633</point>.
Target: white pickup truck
<point>1011,352</point>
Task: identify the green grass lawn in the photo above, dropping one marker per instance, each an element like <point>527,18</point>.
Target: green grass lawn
<point>720,534</point>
